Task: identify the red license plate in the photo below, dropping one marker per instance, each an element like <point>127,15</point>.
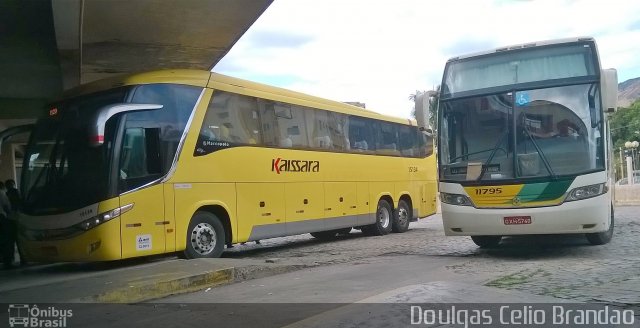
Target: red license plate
<point>517,220</point>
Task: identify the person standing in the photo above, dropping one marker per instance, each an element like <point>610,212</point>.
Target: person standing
<point>7,241</point>
<point>16,202</point>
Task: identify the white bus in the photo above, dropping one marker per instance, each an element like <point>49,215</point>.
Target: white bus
<point>524,144</point>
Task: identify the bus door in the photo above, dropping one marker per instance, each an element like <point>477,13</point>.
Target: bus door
<point>143,227</point>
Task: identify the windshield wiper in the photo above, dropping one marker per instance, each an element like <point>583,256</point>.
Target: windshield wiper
<point>474,153</point>
<point>485,165</point>
<point>539,150</point>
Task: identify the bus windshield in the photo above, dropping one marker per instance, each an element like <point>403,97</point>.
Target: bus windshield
<point>62,170</point>
<point>534,133</point>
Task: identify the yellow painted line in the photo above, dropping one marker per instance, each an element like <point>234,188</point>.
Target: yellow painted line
<point>158,288</point>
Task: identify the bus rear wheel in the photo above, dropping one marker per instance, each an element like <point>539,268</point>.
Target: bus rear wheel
<point>486,241</point>
<point>205,236</point>
<point>384,216</point>
<point>601,238</point>
<point>402,216</point>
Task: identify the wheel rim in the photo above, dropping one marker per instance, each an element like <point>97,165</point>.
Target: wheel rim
<point>403,216</point>
<point>203,238</point>
<point>384,217</point>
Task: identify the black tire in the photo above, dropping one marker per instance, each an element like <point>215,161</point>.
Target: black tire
<point>324,235</point>
<point>205,236</point>
<point>601,238</point>
<point>384,218</point>
<point>401,217</point>
<point>486,241</point>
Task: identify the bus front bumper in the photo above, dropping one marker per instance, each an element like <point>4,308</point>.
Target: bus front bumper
<point>101,243</point>
<point>583,216</point>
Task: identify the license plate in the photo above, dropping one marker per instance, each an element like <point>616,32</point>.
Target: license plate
<point>508,220</point>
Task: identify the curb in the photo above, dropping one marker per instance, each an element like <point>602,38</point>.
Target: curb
<point>149,290</point>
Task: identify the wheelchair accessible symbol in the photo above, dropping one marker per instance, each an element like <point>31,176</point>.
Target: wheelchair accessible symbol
<point>522,98</point>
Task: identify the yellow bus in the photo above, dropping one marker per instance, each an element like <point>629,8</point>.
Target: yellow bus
<point>190,161</point>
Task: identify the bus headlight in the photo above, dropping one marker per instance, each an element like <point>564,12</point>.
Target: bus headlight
<point>103,217</point>
<point>76,229</point>
<point>455,199</point>
<point>586,192</point>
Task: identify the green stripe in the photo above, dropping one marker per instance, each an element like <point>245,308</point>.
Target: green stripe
<point>539,192</point>
<point>530,192</point>
<point>555,190</point>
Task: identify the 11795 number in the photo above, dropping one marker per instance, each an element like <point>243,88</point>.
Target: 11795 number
<point>488,191</point>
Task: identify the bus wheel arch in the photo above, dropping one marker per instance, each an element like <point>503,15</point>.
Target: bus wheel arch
<point>402,215</point>
<point>384,218</point>
<point>601,238</point>
<point>208,232</point>
<point>223,215</point>
<point>486,241</point>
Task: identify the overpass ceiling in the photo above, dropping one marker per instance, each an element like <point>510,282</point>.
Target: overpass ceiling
<point>47,46</point>
<point>129,36</point>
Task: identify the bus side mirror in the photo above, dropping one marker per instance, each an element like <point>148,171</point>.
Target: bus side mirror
<point>422,108</point>
<point>609,88</point>
<point>102,115</point>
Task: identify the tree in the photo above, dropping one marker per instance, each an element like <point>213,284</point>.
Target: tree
<point>625,125</point>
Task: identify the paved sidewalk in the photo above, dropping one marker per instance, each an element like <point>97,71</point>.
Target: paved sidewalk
<point>127,283</point>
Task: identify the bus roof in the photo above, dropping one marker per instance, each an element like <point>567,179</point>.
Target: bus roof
<point>279,94</point>
<point>522,46</point>
<point>179,76</point>
<point>203,78</point>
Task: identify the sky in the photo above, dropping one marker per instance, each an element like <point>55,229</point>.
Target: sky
<point>380,51</point>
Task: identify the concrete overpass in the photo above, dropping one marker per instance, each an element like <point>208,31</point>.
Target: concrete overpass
<point>47,46</point>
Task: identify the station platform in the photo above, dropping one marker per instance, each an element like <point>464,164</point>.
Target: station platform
<point>128,281</point>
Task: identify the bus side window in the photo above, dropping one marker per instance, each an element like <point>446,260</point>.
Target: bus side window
<point>339,130</point>
<point>387,139</point>
<point>178,102</point>
<point>231,118</point>
<point>268,123</point>
<point>424,145</point>
<point>361,135</point>
<point>318,128</point>
<point>292,126</point>
<point>407,140</point>
<point>243,122</point>
<point>140,158</point>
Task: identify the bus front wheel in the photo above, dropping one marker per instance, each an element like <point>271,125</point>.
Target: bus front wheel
<point>205,236</point>
<point>384,216</point>
<point>601,238</point>
<point>486,241</point>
